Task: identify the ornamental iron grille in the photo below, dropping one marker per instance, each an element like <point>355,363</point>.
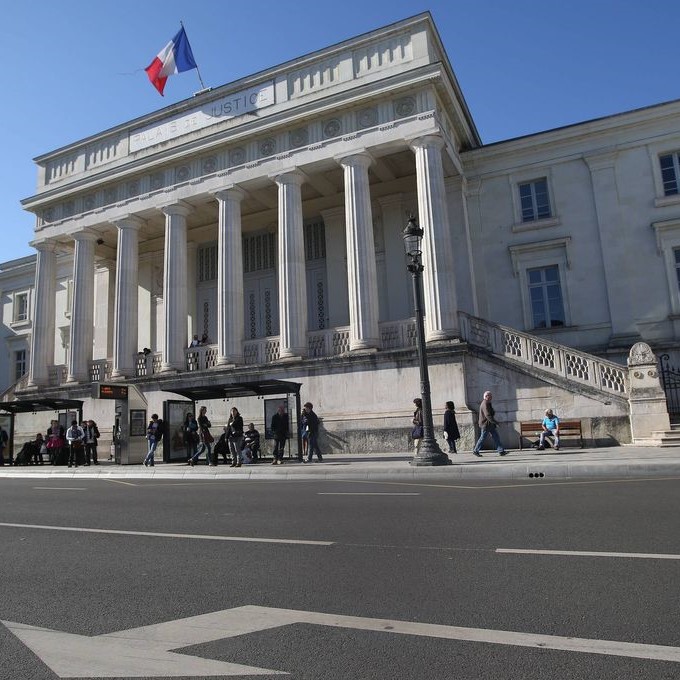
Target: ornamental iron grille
<point>207,263</point>
<point>670,379</point>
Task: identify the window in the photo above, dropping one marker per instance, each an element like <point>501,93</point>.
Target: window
<point>670,172</point>
<point>19,363</point>
<point>545,295</point>
<point>20,307</point>
<point>676,256</point>
<point>534,200</point>
<point>207,263</point>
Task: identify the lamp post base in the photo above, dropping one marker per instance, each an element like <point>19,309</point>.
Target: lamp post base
<point>430,454</point>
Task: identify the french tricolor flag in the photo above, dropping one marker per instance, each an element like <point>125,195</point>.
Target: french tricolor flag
<point>175,57</point>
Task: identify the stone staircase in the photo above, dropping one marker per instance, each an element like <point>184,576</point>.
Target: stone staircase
<point>665,438</point>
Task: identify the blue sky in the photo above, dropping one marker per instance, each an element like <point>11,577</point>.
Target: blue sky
<point>74,68</point>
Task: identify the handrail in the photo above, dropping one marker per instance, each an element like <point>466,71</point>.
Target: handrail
<point>550,357</point>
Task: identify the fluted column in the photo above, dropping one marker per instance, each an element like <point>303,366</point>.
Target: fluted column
<point>175,286</point>
<point>82,309</point>
<point>361,269</point>
<point>125,320</point>
<point>439,282</point>
<point>230,323</point>
<point>42,337</point>
<point>292,279</point>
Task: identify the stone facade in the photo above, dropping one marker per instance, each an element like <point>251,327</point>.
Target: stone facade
<point>267,214</point>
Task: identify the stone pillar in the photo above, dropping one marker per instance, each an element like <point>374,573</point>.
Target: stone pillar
<point>230,319</point>
<point>439,282</point>
<point>125,320</point>
<point>361,271</point>
<point>175,286</point>
<point>42,337</point>
<point>292,277</point>
<point>648,410</point>
<point>82,309</point>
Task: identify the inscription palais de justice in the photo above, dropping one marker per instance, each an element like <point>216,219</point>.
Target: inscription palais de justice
<point>212,113</point>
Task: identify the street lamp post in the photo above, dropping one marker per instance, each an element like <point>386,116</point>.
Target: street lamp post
<point>429,452</point>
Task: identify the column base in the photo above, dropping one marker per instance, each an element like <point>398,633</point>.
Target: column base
<point>223,363</point>
<point>169,368</point>
<point>289,358</point>
<point>429,454</point>
<point>368,348</point>
<point>119,375</point>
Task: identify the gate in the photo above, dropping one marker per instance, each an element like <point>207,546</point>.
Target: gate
<point>670,379</point>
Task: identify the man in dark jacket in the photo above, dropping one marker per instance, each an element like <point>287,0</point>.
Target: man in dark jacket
<point>280,429</point>
<point>313,425</point>
<point>488,425</point>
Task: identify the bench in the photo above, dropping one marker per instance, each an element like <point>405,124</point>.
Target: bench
<point>569,429</point>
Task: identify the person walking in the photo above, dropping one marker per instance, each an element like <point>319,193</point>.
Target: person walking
<point>488,425</point>
<point>417,431</point>
<point>280,428</point>
<point>313,425</point>
<point>74,437</point>
<point>451,431</point>
<point>550,425</point>
<point>91,436</point>
<point>235,425</point>
<point>154,433</point>
<point>204,437</point>
<point>191,437</point>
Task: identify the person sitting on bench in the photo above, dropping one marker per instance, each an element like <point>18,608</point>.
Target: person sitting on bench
<point>550,425</point>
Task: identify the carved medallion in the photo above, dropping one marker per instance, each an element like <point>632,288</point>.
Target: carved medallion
<point>156,181</point>
<point>367,118</point>
<point>406,106</point>
<point>267,147</point>
<point>237,156</point>
<point>332,128</point>
<point>209,165</point>
<point>299,137</point>
<point>110,195</point>
<point>182,173</point>
<point>89,202</point>
<point>133,188</point>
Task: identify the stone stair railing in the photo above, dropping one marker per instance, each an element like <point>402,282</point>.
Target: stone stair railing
<point>564,362</point>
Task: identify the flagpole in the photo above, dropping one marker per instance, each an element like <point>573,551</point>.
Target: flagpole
<point>198,73</point>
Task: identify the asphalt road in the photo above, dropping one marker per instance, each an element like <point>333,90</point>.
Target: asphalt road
<point>404,553</point>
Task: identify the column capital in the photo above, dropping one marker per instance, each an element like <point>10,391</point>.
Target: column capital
<point>181,208</point>
<point>436,141</point>
<point>129,222</point>
<point>85,235</point>
<point>45,246</point>
<point>290,176</point>
<point>230,193</point>
<point>360,158</point>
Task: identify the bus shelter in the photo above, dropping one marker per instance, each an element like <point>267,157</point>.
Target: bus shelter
<point>201,393</point>
<point>66,410</point>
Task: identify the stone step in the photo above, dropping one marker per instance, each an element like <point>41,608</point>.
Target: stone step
<point>665,438</point>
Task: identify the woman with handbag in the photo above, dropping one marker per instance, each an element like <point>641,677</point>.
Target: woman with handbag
<point>205,438</point>
<point>235,426</point>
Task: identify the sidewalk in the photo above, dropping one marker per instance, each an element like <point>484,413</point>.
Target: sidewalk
<point>613,462</point>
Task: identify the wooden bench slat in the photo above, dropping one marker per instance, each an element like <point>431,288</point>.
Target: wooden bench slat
<point>569,429</point>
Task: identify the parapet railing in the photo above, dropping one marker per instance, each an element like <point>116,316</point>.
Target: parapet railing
<point>559,360</point>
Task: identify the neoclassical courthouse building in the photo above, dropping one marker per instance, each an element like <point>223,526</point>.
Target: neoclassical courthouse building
<point>267,214</point>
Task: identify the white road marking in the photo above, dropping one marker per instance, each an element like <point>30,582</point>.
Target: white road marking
<point>140,652</point>
<point>366,493</point>
<point>60,488</point>
<point>200,537</point>
<point>586,553</point>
